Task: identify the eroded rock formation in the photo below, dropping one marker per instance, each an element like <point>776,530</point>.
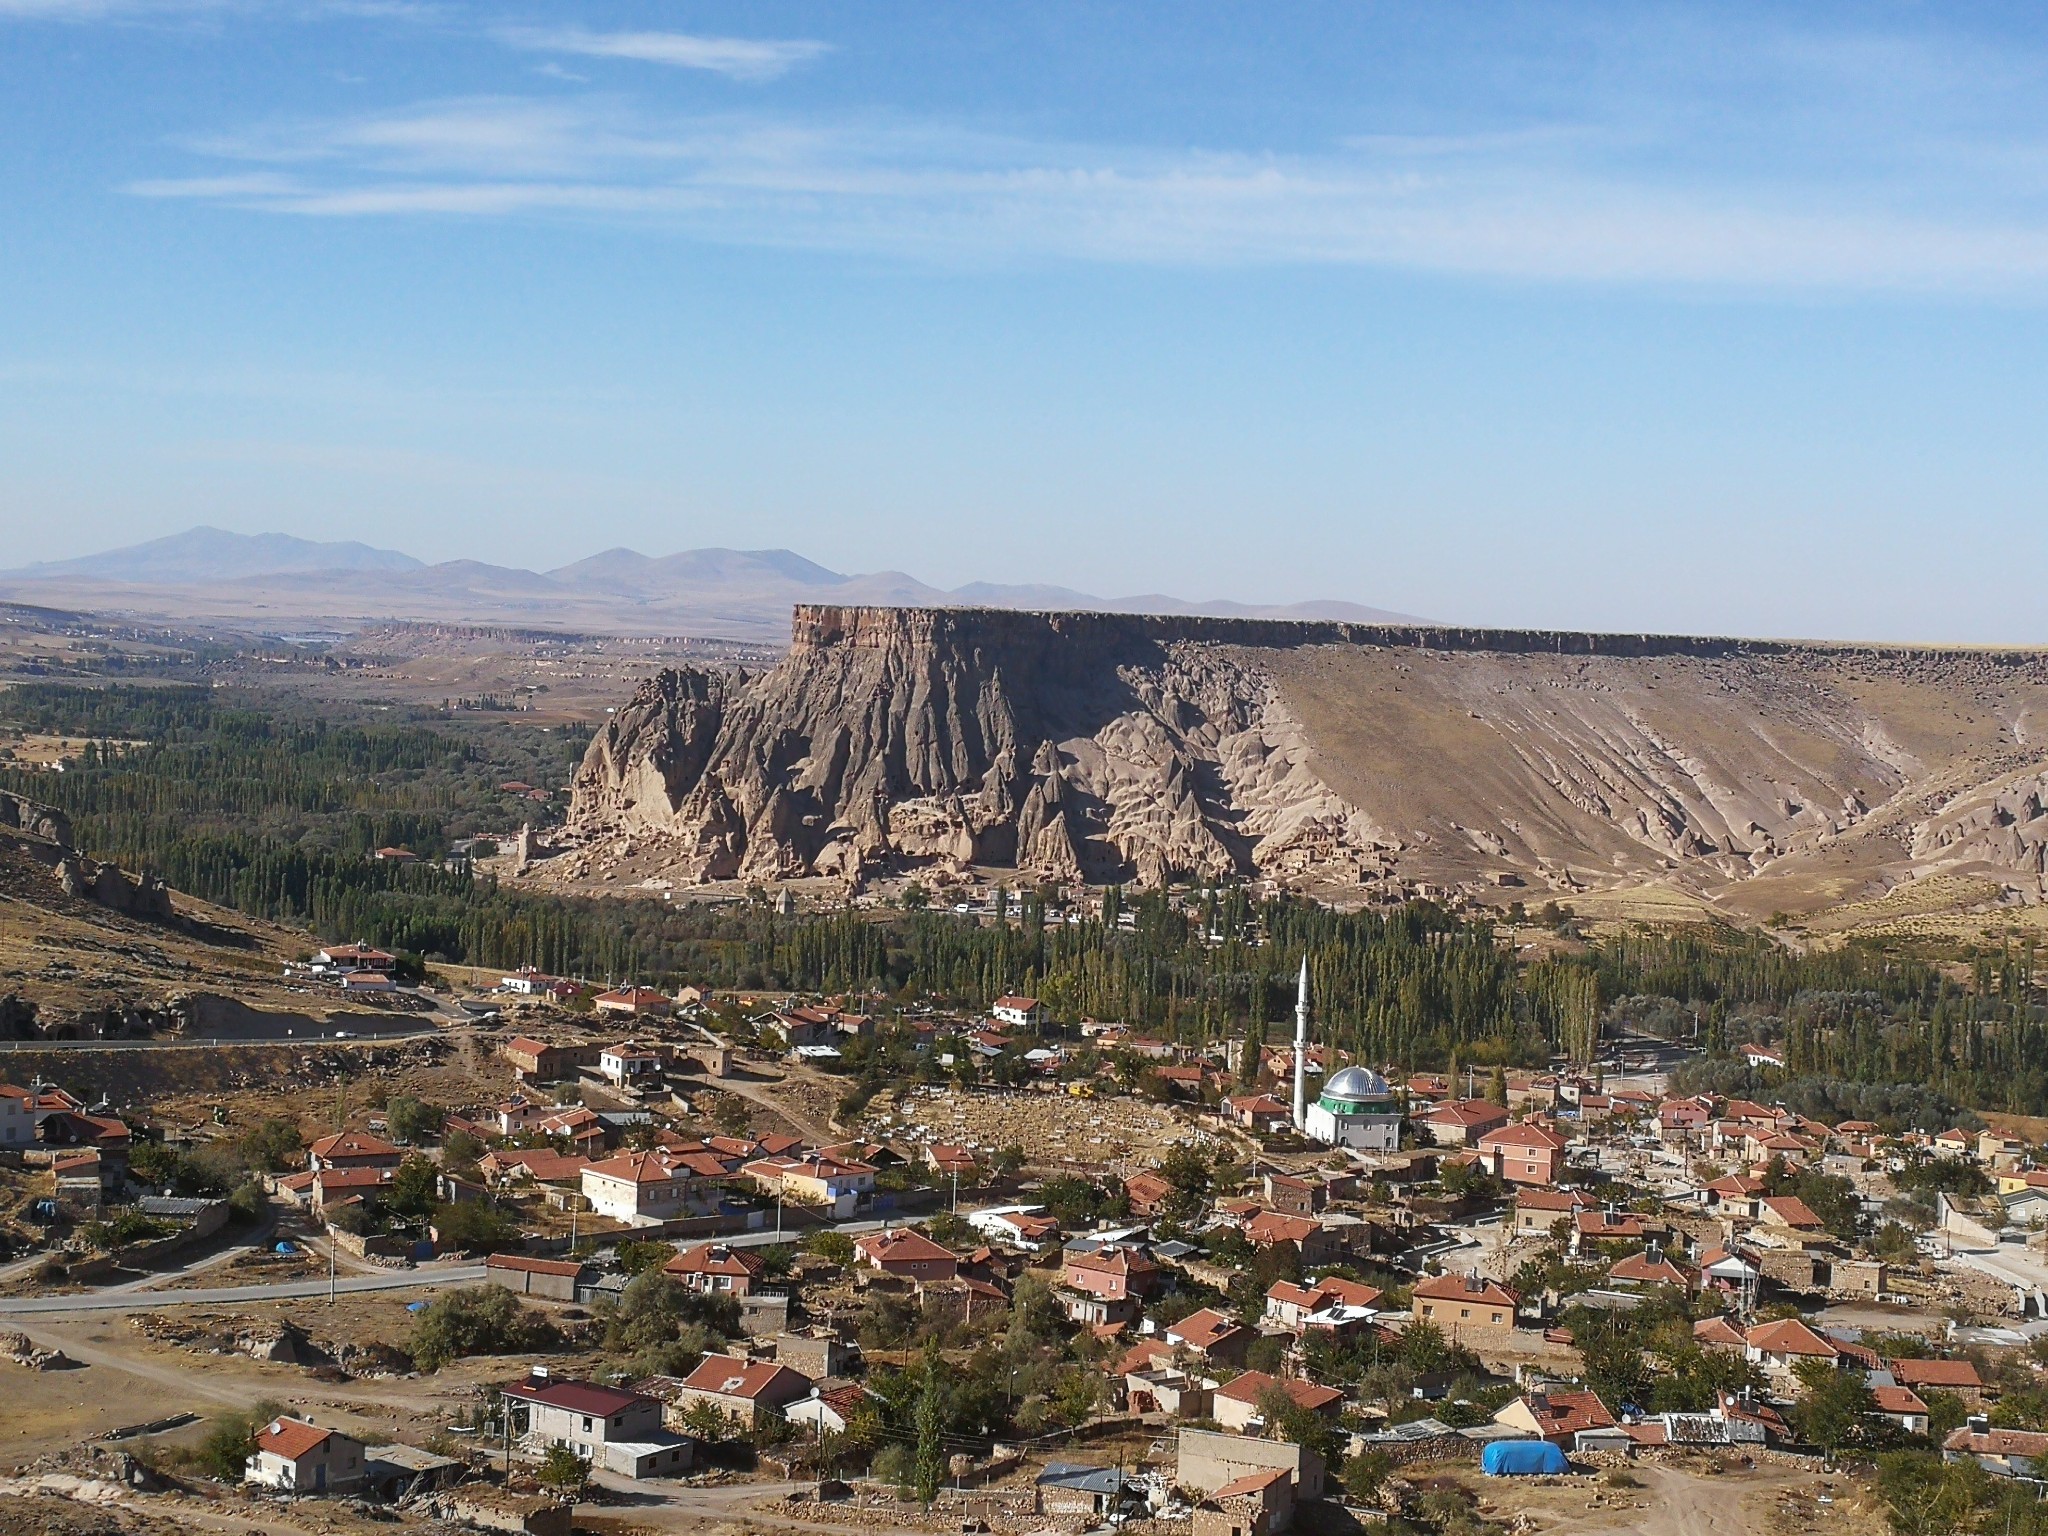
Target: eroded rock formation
<point>1107,747</point>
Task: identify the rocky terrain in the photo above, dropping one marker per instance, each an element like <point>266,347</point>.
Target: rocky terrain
<point>92,951</point>
<point>1099,747</point>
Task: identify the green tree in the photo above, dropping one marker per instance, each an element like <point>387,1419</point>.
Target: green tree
<point>704,1420</point>
<point>930,1470</point>
<point>1833,1412</point>
<point>836,1247</point>
<point>1187,1171</point>
<point>1366,1475</point>
<point>1497,1087</point>
<point>637,1257</point>
<point>1288,1420</point>
<point>563,1470</point>
<point>1927,1496</point>
<point>485,1321</point>
<point>474,1226</point>
<point>230,1441</point>
<point>275,1146</point>
<point>415,1187</point>
<point>410,1120</point>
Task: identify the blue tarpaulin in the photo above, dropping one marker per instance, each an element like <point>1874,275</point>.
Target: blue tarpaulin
<point>1522,1458</point>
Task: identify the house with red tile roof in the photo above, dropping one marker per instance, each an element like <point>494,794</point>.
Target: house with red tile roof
<point>1537,1210</point>
<point>1146,1192</point>
<point>1316,1243</point>
<point>2005,1452</point>
<point>1461,1122</point>
<point>1237,1400</point>
<point>1556,1416</point>
<point>1718,1332</point>
<point>746,1390</point>
<point>1258,1111</point>
<point>1652,1267</point>
<point>906,1254</point>
<point>1781,1347</point>
<point>549,1279</point>
<point>1528,1153</point>
<point>613,1429</point>
<point>1333,1303</point>
<point>645,1189</point>
<point>297,1456</point>
<point>632,1002</point>
<point>1465,1307</point>
<point>353,1149</point>
<point>1114,1272</point>
<point>717,1269</point>
<point>1598,1224</point>
<point>1958,1376</point>
<point>1789,1211</point>
<point>1902,1406</point>
<point>1211,1337</point>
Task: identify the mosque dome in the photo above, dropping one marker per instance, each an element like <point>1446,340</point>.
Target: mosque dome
<point>1356,1083</point>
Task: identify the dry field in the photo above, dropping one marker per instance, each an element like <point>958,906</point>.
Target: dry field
<point>1125,1135</point>
<point>1693,1498</point>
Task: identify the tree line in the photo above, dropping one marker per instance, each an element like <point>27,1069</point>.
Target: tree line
<point>275,816</point>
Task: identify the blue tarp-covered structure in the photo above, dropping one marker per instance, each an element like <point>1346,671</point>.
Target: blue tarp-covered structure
<point>1522,1458</point>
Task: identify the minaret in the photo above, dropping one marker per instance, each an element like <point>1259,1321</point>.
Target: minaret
<point>1301,1051</point>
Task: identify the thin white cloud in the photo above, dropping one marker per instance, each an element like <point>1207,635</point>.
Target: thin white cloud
<point>738,58</point>
<point>1550,205</point>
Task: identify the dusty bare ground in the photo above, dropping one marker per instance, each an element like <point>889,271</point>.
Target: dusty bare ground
<point>1694,1498</point>
<point>1124,1134</point>
<point>127,1377</point>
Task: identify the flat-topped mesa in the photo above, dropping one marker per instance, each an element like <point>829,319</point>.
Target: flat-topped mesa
<point>823,625</point>
<point>1092,746</point>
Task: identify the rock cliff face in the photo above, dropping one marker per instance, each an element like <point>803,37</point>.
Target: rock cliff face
<point>1103,747</point>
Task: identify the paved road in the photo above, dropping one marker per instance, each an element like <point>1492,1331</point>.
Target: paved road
<point>284,1290</point>
<point>793,1235</point>
<point>304,1037</point>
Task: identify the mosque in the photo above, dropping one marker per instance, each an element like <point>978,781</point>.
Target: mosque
<point>1356,1108</point>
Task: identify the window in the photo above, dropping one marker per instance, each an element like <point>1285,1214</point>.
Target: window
<point>586,1423</point>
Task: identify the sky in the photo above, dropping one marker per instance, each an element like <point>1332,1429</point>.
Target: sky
<point>1724,318</point>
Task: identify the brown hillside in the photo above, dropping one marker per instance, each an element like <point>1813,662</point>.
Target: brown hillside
<point>1758,774</point>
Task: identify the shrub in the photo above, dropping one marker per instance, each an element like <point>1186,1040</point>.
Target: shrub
<point>835,1246</point>
<point>231,1440</point>
<point>484,1321</point>
<point>476,1225</point>
<point>563,1470</point>
<point>637,1257</point>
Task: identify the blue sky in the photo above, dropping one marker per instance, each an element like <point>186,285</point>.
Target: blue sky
<point>1633,316</point>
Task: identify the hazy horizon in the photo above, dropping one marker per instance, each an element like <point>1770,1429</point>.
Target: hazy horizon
<point>1711,319</point>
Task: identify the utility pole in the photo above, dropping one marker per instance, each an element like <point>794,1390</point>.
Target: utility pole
<point>818,1459</point>
<point>332,1243</point>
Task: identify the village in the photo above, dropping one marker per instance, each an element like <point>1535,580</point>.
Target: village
<point>1049,1279</point>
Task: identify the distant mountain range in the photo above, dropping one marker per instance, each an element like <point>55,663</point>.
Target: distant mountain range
<point>273,581</point>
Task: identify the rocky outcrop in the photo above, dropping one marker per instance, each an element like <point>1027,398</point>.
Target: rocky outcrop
<point>44,833</point>
<point>1098,747</point>
<point>18,813</point>
<point>139,895</point>
<point>1065,745</point>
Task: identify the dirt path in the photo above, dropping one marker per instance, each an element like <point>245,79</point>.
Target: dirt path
<point>730,1505</point>
<point>761,1094</point>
